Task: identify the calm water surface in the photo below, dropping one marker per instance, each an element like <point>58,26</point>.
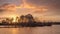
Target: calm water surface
<point>55,29</point>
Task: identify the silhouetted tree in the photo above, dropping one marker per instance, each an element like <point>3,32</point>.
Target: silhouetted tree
<point>7,20</point>
<point>4,22</point>
<point>29,17</point>
<point>17,19</point>
<point>22,17</point>
<point>11,20</point>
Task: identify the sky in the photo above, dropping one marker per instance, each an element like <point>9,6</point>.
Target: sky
<point>47,9</point>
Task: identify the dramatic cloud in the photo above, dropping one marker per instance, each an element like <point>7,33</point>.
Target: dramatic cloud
<point>53,6</point>
<point>39,5</point>
<point>35,7</point>
<point>49,3</point>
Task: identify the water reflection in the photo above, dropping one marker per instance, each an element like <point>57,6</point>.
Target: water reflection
<point>31,30</point>
<point>22,30</point>
<point>14,31</point>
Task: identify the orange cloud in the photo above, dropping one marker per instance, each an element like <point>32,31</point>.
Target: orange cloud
<point>24,8</point>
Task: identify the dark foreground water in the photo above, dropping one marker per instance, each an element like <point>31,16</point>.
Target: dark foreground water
<point>55,29</point>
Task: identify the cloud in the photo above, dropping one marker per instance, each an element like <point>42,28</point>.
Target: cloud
<point>1,10</point>
<point>7,7</point>
<point>53,6</point>
<point>50,3</point>
<point>17,2</point>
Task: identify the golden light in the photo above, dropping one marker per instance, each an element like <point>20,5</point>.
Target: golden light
<point>25,5</point>
<point>14,31</point>
<point>14,18</point>
<point>10,7</point>
<point>14,8</point>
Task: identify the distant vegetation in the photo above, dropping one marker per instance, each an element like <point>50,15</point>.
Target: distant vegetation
<point>27,20</point>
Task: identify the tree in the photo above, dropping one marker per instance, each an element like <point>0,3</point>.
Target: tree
<point>22,18</point>
<point>29,17</point>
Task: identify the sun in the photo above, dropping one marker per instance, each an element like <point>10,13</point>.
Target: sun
<point>14,18</point>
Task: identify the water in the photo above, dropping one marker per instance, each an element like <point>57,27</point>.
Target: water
<point>55,29</point>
